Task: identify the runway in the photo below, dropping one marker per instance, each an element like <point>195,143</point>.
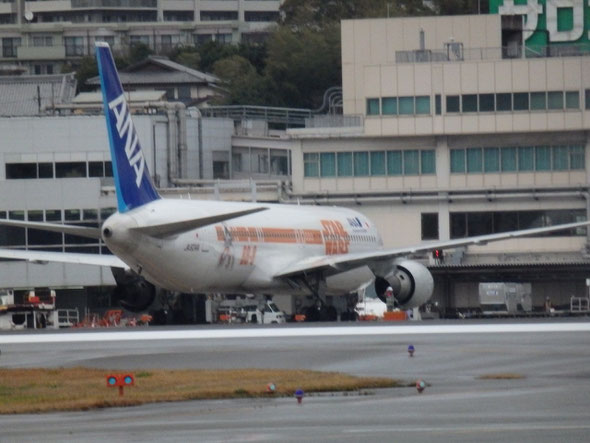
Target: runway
<point>549,403</point>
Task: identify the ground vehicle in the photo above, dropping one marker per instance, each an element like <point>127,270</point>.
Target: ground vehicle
<point>264,314</point>
<point>505,298</point>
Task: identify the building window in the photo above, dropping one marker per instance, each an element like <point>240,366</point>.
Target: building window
<point>479,223</point>
<point>70,169</point>
<point>587,99</point>
<point>526,158</point>
<point>469,102</point>
<point>466,224</point>
<point>577,157</point>
<point>423,104</point>
<point>259,160</point>
<point>9,46</point>
<point>453,103</point>
<point>368,163</point>
<point>486,103</point>
<point>74,46</point>
<point>504,102</point>
<point>394,162</point>
<point>429,222</point>
<point>427,162</point>
<point>220,169</point>
<point>555,100</point>
<point>491,159</point>
<point>95,169</point>
<point>279,162</point>
<point>344,162</point>
<point>45,170</point>
<point>560,158</point>
<point>542,158</point>
<point>21,170</point>
<point>437,104</point>
<point>328,164</point>
<point>378,163</point>
<point>538,101</point>
<point>212,16</point>
<point>411,162</point>
<point>139,40</point>
<point>361,164</point>
<point>389,105</point>
<point>572,100</point>
<point>419,105</point>
<point>42,40</point>
<point>521,101</point>
<point>457,160</point>
<point>201,39</point>
<point>372,106</point>
<point>474,160</point>
<point>10,235</point>
<point>225,38</point>
<point>458,224</point>
<point>508,159</point>
<point>406,105</point>
<point>261,16</point>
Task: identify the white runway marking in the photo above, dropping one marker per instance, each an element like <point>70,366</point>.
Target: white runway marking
<point>328,331</point>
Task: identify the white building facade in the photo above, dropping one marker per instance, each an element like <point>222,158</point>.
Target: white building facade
<point>42,36</point>
<point>459,137</point>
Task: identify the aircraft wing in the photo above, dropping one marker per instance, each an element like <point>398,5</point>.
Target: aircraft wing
<point>82,231</point>
<point>43,257</point>
<point>345,262</point>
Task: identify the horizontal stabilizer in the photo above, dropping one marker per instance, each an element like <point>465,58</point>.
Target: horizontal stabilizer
<point>168,229</point>
<point>43,257</point>
<point>82,231</point>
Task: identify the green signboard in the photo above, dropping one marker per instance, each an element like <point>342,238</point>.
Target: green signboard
<point>562,25</point>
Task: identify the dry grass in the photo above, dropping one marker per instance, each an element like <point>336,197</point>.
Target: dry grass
<point>501,376</point>
<point>67,389</point>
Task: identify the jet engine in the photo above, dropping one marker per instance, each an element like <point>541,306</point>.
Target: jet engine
<point>133,292</point>
<point>411,281</point>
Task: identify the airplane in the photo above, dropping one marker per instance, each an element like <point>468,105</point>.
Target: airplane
<point>194,246</point>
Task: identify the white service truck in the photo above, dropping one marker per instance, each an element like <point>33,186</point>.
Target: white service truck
<point>265,313</point>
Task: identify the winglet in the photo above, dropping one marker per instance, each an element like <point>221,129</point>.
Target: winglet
<point>132,179</point>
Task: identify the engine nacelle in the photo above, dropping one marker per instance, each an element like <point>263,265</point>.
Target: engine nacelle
<point>411,281</point>
<point>133,292</point>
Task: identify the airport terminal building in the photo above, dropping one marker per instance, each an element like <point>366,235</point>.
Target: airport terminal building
<point>464,129</point>
<point>452,127</point>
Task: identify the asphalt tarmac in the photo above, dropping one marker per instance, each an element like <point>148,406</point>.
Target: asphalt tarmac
<point>549,403</point>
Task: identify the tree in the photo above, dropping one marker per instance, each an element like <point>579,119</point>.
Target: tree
<point>213,51</point>
<point>317,13</point>
<point>187,56</point>
<point>302,64</point>
<point>457,7</point>
<point>138,52</point>
<point>245,86</point>
<point>85,70</point>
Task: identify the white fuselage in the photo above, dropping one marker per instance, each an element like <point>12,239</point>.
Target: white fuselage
<point>241,254</point>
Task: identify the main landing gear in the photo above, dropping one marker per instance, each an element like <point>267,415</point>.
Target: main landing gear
<point>323,308</point>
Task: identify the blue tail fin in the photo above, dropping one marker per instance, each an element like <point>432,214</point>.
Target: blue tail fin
<point>132,178</point>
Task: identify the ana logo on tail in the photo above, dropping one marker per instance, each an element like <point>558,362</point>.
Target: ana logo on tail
<point>127,132</point>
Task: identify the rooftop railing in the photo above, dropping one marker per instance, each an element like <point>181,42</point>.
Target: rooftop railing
<point>287,116</point>
<point>454,51</point>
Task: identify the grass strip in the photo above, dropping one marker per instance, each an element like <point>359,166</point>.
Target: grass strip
<point>74,389</point>
<point>501,376</point>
